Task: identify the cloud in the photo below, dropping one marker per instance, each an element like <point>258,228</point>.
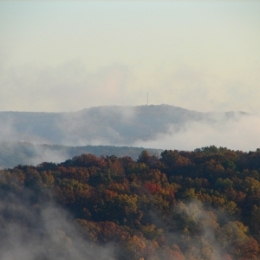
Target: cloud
<point>96,126</point>
<point>11,132</point>
<point>46,232</point>
<point>72,86</point>
<point>45,154</point>
<point>205,89</point>
<point>240,134</point>
<point>67,87</point>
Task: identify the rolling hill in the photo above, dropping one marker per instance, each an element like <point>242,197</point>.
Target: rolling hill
<point>112,125</point>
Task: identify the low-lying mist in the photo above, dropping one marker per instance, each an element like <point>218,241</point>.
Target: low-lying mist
<point>240,134</point>
<point>24,153</point>
<point>43,232</point>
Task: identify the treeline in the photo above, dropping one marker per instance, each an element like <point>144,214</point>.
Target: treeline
<point>14,153</point>
<point>203,204</point>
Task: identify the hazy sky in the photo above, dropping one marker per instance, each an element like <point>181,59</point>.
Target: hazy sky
<point>68,55</point>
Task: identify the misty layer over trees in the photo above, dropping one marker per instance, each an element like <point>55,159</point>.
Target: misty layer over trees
<point>105,125</point>
<point>195,205</point>
<point>15,153</point>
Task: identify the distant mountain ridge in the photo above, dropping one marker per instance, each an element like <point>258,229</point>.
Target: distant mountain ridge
<point>116,125</point>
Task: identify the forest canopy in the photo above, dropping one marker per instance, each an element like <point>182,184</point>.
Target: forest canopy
<point>203,204</point>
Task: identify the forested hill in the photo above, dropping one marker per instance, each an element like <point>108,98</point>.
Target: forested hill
<point>15,153</point>
<point>102,125</point>
<point>195,205</point>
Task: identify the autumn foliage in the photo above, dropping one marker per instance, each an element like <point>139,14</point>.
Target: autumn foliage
<point>203,204</point>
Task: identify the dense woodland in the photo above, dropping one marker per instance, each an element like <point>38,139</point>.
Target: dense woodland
<point>203,204</point>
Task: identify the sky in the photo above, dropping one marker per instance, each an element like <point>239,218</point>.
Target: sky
<point>69,55</point>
